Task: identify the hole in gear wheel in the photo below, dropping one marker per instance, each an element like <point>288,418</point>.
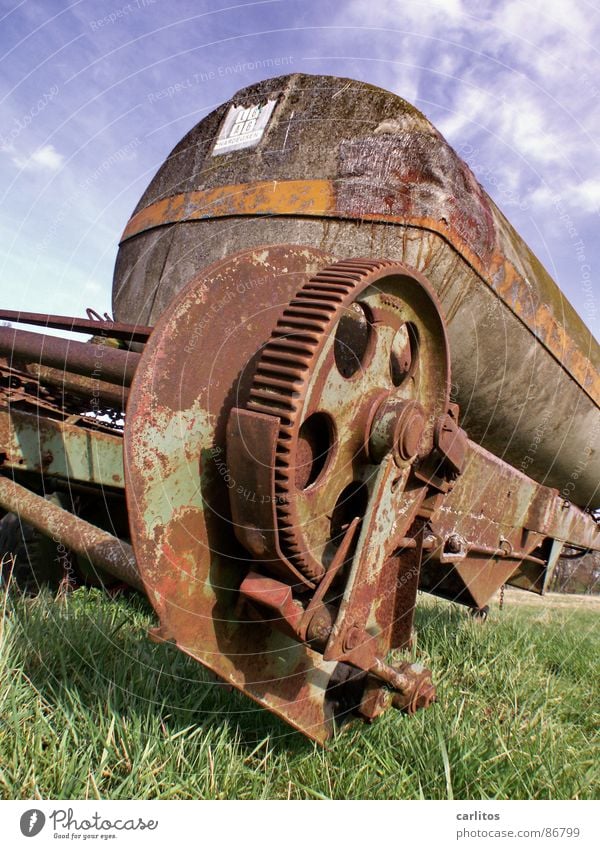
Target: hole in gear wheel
<point>315,444</point>
<point>351,503</point>
<point>404,353</point>
<point>352,338</point>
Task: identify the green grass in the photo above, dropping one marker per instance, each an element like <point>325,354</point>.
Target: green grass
<point>90,708</point>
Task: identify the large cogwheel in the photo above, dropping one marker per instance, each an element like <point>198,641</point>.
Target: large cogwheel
<point>359,334</point>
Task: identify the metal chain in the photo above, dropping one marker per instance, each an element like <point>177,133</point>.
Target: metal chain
<point>502,588</point>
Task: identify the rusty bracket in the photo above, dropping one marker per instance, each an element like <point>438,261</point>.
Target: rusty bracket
<point>357,636</point>
<point>317,609</point>
<point>276,597</point>
<point>496,526</point>
<point>451,440</point>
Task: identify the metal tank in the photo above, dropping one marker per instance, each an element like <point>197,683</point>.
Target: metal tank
<point>356,171</point>
<point>319,297</point>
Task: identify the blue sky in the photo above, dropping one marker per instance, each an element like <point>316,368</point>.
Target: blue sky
<point>95,94</point>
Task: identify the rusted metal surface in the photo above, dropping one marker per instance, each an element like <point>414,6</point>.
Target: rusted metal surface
<point>98,361</point>
<point>280,556</point>
<point>333,357</point>
<point>329,360</point>
<point>495,524</point>
<point>18,388</point>
<point>333,199</point>
<point>101,548</point>
<point>397,589</point>
<point>287,499</point>
<point>40,391</point>
<point>54,449</point>
<point>178,483</point>
<point>253,436</point>
<point>296,459</point>
<point>360,172</point>
<point>112,329</point>
<point>279,608</point>
<point>267,197</point>
<point>89,390</point>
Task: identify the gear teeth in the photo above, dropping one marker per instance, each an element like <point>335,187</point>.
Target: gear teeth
<point>283,375</point>
<point>279,383</point>
<point>286,344</point>
<point>301,305</point>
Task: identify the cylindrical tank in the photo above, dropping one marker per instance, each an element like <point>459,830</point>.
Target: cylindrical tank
<point>357,171</point>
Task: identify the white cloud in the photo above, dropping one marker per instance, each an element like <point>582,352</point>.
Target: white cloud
<point>543,197</point>
<point>586,195</point>
<point>44,158</point>
<point>512,86</point>
<point>510,80</point>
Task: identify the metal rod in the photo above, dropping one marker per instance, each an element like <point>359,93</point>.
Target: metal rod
<point>103,549</point>
<point>95,391</point>
<point>96,361</point>
<point>505,555</point>
<point>110,329</point>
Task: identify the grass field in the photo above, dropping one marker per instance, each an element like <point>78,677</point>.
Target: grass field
<point>89,708</point>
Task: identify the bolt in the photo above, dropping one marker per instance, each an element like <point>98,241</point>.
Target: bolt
<point>376,700</point>
<point>425,698</point>
<point>352,638</point>
<point>420,692</point>
<point>396,426</point>
<point>320,625</point>
<point>409,434</point>
<point>453,544</point>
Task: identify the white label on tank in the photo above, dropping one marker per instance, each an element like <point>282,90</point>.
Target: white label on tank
<point>243,127</point>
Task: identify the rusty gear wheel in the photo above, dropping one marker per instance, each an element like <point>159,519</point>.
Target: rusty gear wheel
<point>360,340</point>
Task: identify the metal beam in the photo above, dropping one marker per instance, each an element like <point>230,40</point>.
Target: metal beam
<point>95,361</point>
<point>59,450</point>
<point>109,329</point>
<point>103,549</point>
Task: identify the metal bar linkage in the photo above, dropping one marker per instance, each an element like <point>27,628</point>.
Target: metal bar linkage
<point>102,549</point>
<point>108,364</point>
<point>110,329</point>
